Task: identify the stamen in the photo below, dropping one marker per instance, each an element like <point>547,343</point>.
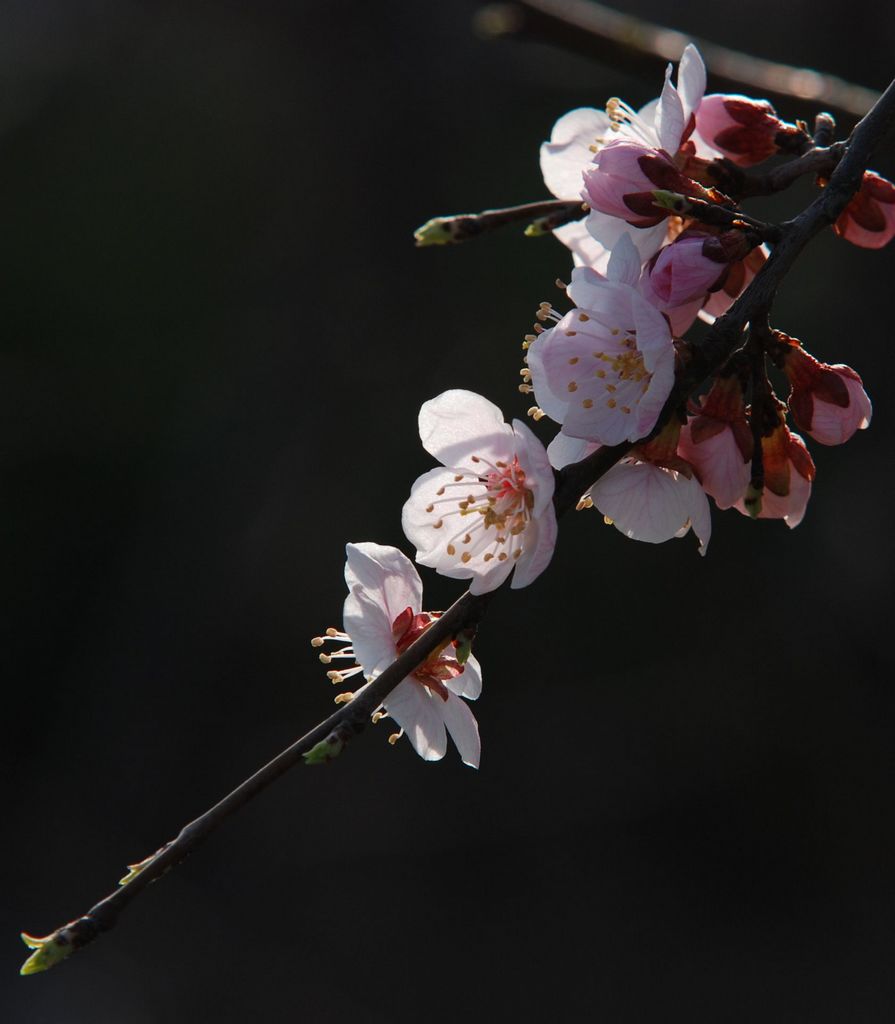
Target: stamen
<point>343,698</point>
<point>395,736</point>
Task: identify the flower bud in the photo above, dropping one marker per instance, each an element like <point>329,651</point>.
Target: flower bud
<point>742,129</point>
<point>623,177</point>
<point>687,269</point>
<point>869,219</point>
<point>827,402</point>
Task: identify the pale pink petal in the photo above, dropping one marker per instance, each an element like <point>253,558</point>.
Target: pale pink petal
<point>464,729</point>
<point>568,152</point>
<point>719,465</point>
<point>458,424</point>
<point>791,508</point>
<point>831,424</point>
<point>552,404</point>
<point>643,501</point>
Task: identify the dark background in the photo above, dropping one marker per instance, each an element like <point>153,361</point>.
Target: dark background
<point>216,334</point>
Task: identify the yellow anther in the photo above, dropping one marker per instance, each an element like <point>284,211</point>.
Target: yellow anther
<point>343,698</point>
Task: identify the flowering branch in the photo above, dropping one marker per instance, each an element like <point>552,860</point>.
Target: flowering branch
<point>508,494</point>
<point>598,31</point>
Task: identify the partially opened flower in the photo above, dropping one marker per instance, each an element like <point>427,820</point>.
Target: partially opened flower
<point>742,129</point>
<point>788,474</point>
<point>489,510</point>
<point>664,123</point>
<point>382,617</point>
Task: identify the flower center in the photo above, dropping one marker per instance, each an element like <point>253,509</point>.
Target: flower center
<point>495,510</point>
<point>438,667</point>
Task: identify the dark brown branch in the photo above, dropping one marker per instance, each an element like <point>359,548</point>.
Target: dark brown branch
<point>329,736</point>
<point>541,218</point>
<point>600,32</point>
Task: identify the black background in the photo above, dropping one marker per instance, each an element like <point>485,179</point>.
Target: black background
<point>216,335</point>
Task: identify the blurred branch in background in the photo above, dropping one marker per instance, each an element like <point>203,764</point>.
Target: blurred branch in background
<point>597,31</point>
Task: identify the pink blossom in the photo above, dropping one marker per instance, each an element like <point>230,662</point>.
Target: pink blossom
<point>869,219</point>
<point>489,510</point>
<point>827,402</point>
<point>742,129</point>
<point>382,618</point>
<point>607,367</point>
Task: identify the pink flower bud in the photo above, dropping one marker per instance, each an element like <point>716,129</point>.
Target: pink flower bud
<point>684,271</point>
<point>869,219</point>
<point>742,129</point>
<point>827,402</point>
<point>624,176</point>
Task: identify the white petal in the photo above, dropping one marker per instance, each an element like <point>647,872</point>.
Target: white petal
<point>419,525</point>
<point>370,629</point>
<point>539,541</point>
<point>607,230</point>
<point>413,707</point>
<point>698,508</point>
<point>691,79</point>
<point>568,152</point>
<point>564,450</point>
<point>464,729</point>
<point>670,121</point>
<point>535,464</point>
<point>386,574</point>
<point>586,250</point>
<point>625,262</point>
<point>554,406</point>
<point>469,683</point>
<point>458,424</point>
<point>643,501</point>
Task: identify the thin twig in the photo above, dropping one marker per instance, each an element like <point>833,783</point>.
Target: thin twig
<point>596,30</point>
<point>541,218</point>
<point>720,343</point>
